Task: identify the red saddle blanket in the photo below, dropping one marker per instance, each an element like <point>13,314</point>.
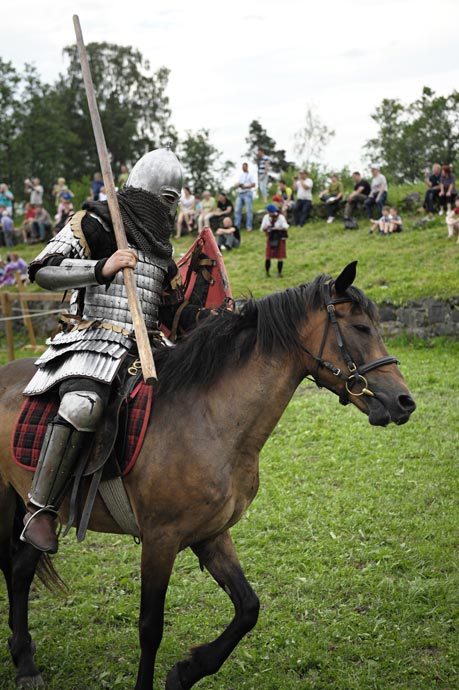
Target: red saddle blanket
<point>37,411</point>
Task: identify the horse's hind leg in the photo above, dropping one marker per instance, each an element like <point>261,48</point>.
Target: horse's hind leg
<point>219,557</point>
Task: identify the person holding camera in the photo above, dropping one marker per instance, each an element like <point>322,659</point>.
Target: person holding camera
<point>276,227</point>
<point>35,189</point>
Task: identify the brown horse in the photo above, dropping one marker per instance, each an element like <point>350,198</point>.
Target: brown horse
<point>198,472</point>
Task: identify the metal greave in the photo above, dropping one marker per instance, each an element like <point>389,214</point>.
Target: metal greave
<point>59,455</point>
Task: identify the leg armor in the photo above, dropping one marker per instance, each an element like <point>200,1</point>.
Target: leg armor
<point>71,431</point>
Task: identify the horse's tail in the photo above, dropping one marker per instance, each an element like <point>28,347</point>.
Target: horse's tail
<point>46,572</point>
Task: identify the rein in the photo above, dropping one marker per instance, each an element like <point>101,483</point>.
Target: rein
<point>355,373</point>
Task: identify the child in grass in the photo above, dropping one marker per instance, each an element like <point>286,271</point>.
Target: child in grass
<point>383,224</point>
<point>452,220</point>
<point>396,224</point>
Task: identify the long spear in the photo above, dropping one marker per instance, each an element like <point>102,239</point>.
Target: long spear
<point>141,336</point>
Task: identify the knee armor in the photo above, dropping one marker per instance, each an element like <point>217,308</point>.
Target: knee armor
<point>82,409</point>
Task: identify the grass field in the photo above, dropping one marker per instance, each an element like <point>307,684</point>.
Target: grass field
<point>351,544</point>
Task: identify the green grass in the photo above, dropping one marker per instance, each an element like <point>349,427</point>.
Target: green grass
<point>351,545</point>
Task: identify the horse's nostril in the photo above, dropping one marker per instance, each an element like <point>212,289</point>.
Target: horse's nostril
<point>407,403</point>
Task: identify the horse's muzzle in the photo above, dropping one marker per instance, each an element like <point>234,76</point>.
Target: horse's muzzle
<point>383,408</point>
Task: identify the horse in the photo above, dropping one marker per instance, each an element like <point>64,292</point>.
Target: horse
<point>198,471</point>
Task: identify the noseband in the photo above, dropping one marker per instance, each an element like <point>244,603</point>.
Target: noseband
<point>355,374</point>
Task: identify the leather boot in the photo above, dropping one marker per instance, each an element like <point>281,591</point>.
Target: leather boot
<point>40,528</point>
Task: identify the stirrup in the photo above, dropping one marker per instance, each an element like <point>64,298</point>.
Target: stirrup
<point>31,516</point>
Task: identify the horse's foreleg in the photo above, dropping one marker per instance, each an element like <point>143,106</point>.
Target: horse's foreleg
<point>158,556</point>
<point>219,557</point>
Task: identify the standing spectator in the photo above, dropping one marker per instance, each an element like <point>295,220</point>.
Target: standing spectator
<point>452,220</point>
<point>7,227</point>
<point>224,208</point>
<point>208,206</point>
<point>27,227</point>
<point>6,199</point>
<point>378,192</point>
<point>432,180</point>
<point>186,212</point>
<point>275,226</point>
<point>96,185</point>
<point>228,236</point>
<point>303,204</point>
<point>263,173</point>
<point>61,192</point>
<point>41,223</point>
<point>360,194</point>
<point>331,196</point>
<point>122,177</point>
<point>35,190</point>
<point>63,216</point>
<point>448,193</point>
<point>245,197</point>
<point>285,193</point>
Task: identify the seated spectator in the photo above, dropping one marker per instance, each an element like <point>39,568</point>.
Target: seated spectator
<point>14,263</point>
<point>102,194</point>
<point>27,229</point>
<point>276,228</point>
<point>359,194</point>
<point>122,177</point>
<point>452,220</point>
<point>41,224</point>
<point>224,208</point>
<point>396,224</point>
<point>331,197</point>
<point>228,236</point>
<point>448,192</point>
<point>303,204</point>
<point>6,199</point>
<point>432,180</point>
<point>63,216</point>
<point>7,227</point>
<point>186,212</point>
<point>383,224</point>
<point>378,192</point>
<point>208,206</point>
<point>285,193</point>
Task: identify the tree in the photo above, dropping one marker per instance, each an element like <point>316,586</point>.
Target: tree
<point>259,138</point>
<point>312,138</point>
<point>417,135</point>
<point>201,162</point>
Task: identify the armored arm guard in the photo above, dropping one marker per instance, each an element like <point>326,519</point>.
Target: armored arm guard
<point>70,274</point>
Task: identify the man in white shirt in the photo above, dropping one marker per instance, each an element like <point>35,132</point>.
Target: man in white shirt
<point>302,208</point>
<point>244,198</point>
<point>35,190</point>
<point>378,194</point>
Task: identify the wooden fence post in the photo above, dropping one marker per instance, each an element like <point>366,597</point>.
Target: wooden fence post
<point>5,298</point>
<point>25,310</point>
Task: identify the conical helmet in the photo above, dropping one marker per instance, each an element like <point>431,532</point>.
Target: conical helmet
<point>159,172</point>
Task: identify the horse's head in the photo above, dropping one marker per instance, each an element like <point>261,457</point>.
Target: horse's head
<point>349,356</point>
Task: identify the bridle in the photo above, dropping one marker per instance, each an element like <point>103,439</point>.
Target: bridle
<point>356,373</point>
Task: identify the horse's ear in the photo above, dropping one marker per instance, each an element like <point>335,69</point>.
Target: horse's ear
<point>346,278</point>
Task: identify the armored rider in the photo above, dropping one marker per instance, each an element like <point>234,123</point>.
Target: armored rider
<point>83,360</point>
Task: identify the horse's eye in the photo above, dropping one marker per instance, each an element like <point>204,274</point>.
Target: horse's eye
<point>362,328</point>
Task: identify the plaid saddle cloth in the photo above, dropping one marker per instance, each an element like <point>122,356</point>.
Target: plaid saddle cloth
<point>39,410</point>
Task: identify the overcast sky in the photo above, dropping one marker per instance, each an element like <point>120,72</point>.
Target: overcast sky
<point>235,62</point>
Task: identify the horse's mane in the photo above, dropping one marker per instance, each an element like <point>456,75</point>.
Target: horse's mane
<point>271,323</point>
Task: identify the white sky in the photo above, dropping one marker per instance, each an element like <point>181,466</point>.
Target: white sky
<point>268,60</point>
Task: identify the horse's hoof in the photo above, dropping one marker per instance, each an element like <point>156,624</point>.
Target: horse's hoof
<point>30,682</point>
<point>173,680</point>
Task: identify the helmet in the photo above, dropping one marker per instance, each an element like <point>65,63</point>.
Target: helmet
<point>159,172</point>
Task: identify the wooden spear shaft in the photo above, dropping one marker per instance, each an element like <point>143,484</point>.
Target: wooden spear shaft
<point>141,336</point>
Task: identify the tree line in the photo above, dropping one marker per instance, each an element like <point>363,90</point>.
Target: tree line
<point>46,128</point>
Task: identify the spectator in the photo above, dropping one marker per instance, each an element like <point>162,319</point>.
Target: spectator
<point>63,216</point>
<point>303,204</point>
<point>102,194</point>
<point>6,199</point>
<point>448,193</point>
<point>14,263</point>
<point>7,227</point>
<point>186,212</point>
<point>396,224</point>
<point>378,192</point>
<point>452,220</point>
<point>96,185</point>
<point>285,193</point>
<point>383,224</point>
<point>360,194</point>
<point>41,224</point>
<point>263,173</point>
<point>35,190</point>
<point>224,208</point>
<point>331,196</point>
<point>228,236</point>
<point>61,191</point>
<point>245,198</point>
<point>122,177</point>
<point>27,228</point>
<point>432,180</point>
<point>208,206</point>
<point>276,228</point>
